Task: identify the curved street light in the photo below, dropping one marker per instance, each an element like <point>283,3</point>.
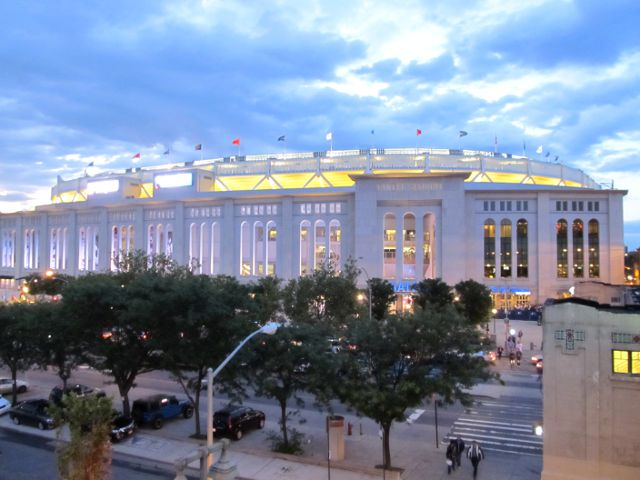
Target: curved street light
<point>268,329</point>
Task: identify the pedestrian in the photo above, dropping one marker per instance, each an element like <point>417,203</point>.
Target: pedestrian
<point>518,357</point>
<point>475,454</point>
<point>460,446</point>
<point>500,350</point>
<point>450,455</point>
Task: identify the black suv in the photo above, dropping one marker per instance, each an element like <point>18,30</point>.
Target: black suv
<point>234,420</point>
<point>80,390</point>
<point>155,409</point>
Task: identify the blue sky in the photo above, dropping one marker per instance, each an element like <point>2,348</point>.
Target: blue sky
<point>97,82</point>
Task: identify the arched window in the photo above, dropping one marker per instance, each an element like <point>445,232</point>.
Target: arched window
<point>272,248</point>
<point>409,246</point>
<point>389,246</point>
<point>490,249</point>
<point>82,249</point>
<point>131,245</point>
<point>305,247</point>
<point>245,250</point>
<point>124,239</point>
<point>320,244</point>
<point>151,244</point>
<point>160,239</point>
<point>578,248</point>
<point>169,240</point>
<point>594,249</point>
<point>95,250</point>
<point>194,245</point>
<point>215,248</point>
<point>562,248</point>
<point>505,248</point>
<point>522,245</point>
<point>63,249</point>
<point>335,239</point>
<point>259,249</point>
<point>53,249</point>
<point>427,236</point>
<point>205,249</point>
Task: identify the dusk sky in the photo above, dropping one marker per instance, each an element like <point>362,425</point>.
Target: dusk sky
<point>88,82</point>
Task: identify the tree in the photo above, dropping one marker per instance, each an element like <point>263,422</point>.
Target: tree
<point>432,291</point>
<point>382,296</point>
<point>58,339</point>
<point>18,350</point>
<point>87,455</point>
<point>402,360</point>
<point>475,301</point>
<point>207,321</point>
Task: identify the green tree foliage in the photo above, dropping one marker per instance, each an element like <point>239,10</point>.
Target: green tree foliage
<point>87,455</point>
<point>382,296</point>
<point>475,301</point>
<point>401,361</point>
<point>18,348</point>
<point>58,339</point>
<point>46,284</point>
<point>432,292</point>
<point>210,316</point>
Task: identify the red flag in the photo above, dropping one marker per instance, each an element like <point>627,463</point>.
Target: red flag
<point>418,131</point>
<point>236,141</point>
<point>137,155</point>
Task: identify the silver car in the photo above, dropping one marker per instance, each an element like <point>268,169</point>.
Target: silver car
<point>6,386</point>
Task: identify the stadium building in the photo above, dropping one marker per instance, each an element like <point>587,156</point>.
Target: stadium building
<point>527,229</point>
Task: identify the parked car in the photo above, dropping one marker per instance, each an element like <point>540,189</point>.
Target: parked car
<point>5,405</point>
<point>6,385</point>
<point>155,409</point>
<point>234,420</point>
<point>539,366</point>
<point>33,412</point>
<point>80,390</point>
<point>121,427</point>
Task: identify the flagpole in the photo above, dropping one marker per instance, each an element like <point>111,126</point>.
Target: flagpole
<point>201,151</point>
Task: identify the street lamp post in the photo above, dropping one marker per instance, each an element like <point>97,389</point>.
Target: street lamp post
<point>268,329</point>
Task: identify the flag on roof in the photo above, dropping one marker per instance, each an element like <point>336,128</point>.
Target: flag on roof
<point>329,136</point>
<point>90,164</point>
<point>167,151</point>
<point>373,132</point>
<point>556,159</point>
<point>281,138</point>
<point>463,133</point>
<point>137,155</point>
<point>236,141</point>
<point>539,149</point>
<point>546,155</point>
<point>418,132</point>
<point>199,146</point>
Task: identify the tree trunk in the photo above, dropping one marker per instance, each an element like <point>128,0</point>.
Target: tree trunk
<point>283,423</point>
<point>386,455</point>
<point>196,408</point>
<point>14,386</point>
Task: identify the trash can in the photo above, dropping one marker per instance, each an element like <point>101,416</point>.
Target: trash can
<point>335,431</point>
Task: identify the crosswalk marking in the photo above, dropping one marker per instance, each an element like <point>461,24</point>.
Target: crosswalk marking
<point>501,426</point>
<point>415,415</point>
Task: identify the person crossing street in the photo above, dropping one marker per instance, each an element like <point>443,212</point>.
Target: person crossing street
<point>475,454</point>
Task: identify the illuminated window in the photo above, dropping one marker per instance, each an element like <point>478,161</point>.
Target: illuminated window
<point>490,249</point>
<point>320,244</point>
<point>335,238</point>
<point>305,246</point>
<point>204,260</point>
<point>245,250</point>
<point>578,248</point>
<point>626,361</point>
<point>409,247</point>
<point>258,249</point>
<point>522,245</point>
<point>594,249</point>
<point>562,254</point>
<point>272,248</point>
<point>194,244</point>
<point>505,248</point>
<point>9,249</point>
<point>215,248</point>
<point>427,235</point>
<point>389,246</point>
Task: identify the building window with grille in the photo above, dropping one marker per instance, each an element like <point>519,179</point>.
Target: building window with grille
<point>490,249</point>
<point>594,249</point>
<point>626,361</point>
<point>522,245</point>
<point>562,252</point>
<point>578,249</point>
<point>505,248</point>
<point>389,246</point>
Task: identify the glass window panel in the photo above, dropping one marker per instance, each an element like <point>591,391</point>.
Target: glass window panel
<point>620,361</point>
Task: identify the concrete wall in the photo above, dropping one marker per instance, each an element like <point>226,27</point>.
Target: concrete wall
<point>591,415</point>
